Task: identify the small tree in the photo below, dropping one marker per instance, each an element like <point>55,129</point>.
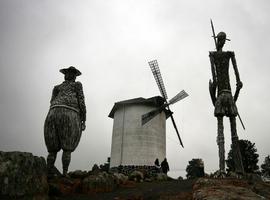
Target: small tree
<point>266,167</point>
<point>95,168</point>
<point>195,168</point>
<point>249,157</point>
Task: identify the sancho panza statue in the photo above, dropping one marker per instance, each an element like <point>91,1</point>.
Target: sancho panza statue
<point>65,120</point>
<point>225,102</point>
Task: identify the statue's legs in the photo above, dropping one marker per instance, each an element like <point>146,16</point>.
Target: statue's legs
<point>237,158</point>
<point>66,157</point>
<point>50,162</point>
<point>220,142</point>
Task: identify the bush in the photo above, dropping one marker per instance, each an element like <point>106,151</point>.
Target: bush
<point>266,167</point>
<point>195,168</point>
<point>249,157</point>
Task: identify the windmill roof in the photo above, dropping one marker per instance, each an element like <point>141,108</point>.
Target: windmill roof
<point>153,101</point>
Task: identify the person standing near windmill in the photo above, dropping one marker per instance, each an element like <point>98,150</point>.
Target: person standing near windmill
<point>224,102</point>
<point>65,120</point>
<point>165,166</point>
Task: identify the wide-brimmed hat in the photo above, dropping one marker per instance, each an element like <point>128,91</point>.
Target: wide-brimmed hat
<point>222,35</point>
<point>71,69</point>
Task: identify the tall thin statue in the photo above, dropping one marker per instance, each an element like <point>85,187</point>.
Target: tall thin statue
<point>225,102</point>
<point>65,120</point>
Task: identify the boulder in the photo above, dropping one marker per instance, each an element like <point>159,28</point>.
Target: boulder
<point>136,176</point>
<point>222,189</point>
<point>151,179</point>
<point>102,182</point>
<point>63,186</point>
<point>161,177</point>
<point>266,179</point>
<point>262,189</point>
<point>54,173</point>
<point>222,174</point>
<point>120,178</point>
<point>78,174</point>
<point>22,175</point>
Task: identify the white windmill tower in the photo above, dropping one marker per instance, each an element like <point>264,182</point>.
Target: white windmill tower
<point>139,127</point>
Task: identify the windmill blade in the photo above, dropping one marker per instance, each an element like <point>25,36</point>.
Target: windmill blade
<point>181,95</point>
<point>150,115</point>
<point>157,75</point>
<point>175,127</point>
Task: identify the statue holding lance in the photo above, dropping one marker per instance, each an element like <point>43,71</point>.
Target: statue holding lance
<point>224,102</point>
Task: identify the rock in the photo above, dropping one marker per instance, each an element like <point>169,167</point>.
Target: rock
<point>121,178</point>
<point>232,175</point>
<point>161,177</point>
<point>262,189</point>
<point>102,182</point>
<point>23,175</point>
<point>54,173</point>
<point>62,186</point>
<point>149,179</point>
<point>222,174</point>
<point>221,189</point>
<point>136,176</point>
<point>78,174</point>
<point>266,179</point>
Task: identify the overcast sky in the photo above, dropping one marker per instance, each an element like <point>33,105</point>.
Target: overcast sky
<point>110,42</point>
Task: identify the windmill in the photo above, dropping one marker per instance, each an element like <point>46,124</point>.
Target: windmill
<point>181,95</point>
<point>139,127</point>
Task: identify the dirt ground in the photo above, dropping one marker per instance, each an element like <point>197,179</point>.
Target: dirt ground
<point>181,190</point>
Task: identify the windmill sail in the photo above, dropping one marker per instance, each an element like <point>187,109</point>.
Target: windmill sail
<point>150,115</point>
<point>175,127</point>
<point>157,75</point>
<point>181,95</point>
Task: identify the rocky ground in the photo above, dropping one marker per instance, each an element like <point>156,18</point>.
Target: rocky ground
<point>196,189</point>
<point>138,191</point>
<point>23,176</point>
<point>102,185</point>
<point>230,188</point>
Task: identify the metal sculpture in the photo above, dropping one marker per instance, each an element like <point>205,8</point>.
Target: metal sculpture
<point>65,120</point>
<point>222,99</point>
<point>181,95</point>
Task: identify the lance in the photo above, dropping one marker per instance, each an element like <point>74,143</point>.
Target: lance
<point>214,35</point>
<point>235,98</point>
<point>237,89</point>
<point>212,86</point>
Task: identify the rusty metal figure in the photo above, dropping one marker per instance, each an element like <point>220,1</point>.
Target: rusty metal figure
<point>224,102</point>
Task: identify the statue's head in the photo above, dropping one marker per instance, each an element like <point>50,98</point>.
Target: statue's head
<point>70,73</point>
<point>221,39</point>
